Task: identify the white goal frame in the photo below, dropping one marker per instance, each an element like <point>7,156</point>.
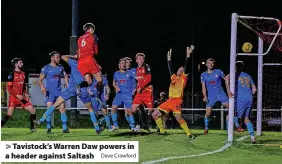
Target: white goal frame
<point>260,54</point>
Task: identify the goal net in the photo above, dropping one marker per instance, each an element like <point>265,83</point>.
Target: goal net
<point>265,35</point>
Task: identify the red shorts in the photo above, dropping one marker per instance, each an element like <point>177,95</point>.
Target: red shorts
<point>145,98</point>
<point>14,102</point>
<point>87,65</point>
<point>172,104</point>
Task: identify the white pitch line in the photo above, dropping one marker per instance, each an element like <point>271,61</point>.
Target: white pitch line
<point>226,146</point>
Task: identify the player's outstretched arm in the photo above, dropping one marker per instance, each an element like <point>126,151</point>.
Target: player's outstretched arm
<point>170,68</point>
<point>189,51</point>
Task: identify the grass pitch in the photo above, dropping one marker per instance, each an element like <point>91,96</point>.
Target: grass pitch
<point>176,143</point>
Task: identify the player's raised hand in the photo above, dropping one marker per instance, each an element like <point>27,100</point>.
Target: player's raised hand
<point>189,51</point>
<point>169,55</point>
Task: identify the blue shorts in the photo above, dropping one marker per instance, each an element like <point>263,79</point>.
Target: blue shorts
<point>126,99</point>
<point>217,97</point>
<point>97,106</point>
<point>71,92</point>
<point>52,96</point>
<point>243,108</point>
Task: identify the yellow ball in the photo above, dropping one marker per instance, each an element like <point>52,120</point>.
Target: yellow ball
<point>247,47</point>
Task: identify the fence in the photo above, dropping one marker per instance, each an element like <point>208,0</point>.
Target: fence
<point>272,118</point>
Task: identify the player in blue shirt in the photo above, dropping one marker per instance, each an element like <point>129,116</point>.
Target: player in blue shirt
<point>128,62</point>
<point>244,90</point>
<point>100,104</point>
<point>212,89</point>
<point>52,73</point>
<point>75,79</point>
<point>123,84</point>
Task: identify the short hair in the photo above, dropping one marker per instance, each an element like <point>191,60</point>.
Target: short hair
<point>88,26</point>
<point>51,54</point>
<point>128,58</point>
<point>239,65</point>
<point>140,54</point>
<point>122,59</point>
<point>15,60</point>
<point>210,59</point>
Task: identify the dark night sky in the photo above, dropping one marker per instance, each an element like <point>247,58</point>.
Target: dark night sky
<point>32,29</point>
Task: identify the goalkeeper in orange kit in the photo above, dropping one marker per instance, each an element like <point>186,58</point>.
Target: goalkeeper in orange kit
<point>176,88</point>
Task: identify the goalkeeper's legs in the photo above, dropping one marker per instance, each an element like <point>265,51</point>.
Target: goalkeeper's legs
<point>157,116</point>
<point>183,125</point>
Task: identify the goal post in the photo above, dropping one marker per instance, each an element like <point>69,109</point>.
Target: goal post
<point>268,31</point>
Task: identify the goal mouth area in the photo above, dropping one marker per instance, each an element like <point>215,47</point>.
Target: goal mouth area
<point>266,28</point>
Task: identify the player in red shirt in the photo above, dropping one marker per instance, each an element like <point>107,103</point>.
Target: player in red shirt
<point>87,48</point>
<point>144,89</point>
<point>18,95</point>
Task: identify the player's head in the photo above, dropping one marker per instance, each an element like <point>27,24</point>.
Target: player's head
<point>180,71</point>
<point>210,63</point>
<point>162,95</point>
<point>17,63</point>
<point>89,27</point>
<point>128,62</point>
<point>140,58</point>
<point>121,64</point>
<point>239,66</point>
<point>55,57</point>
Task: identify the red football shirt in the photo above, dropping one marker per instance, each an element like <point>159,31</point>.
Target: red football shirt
<point>87,45</point>
<point>16,83</point>
<point>143,75</point>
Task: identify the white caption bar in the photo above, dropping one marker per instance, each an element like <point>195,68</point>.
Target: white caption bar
<point>69,151</point>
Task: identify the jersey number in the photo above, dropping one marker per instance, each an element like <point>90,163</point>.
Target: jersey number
<point>83,43</point>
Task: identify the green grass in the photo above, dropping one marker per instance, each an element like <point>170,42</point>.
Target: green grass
<point>153,146</point>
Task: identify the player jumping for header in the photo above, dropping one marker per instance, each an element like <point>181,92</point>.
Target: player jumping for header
<point>87,65</point>
<point>213,91</point>
<point>244,90</point>
<point>18,94</point>
<point>176,89</point>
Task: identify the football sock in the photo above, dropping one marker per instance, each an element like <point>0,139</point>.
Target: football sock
<point>64,119</point>
<point>131,121</point>
<point>108,121</point>
<point>48,121</point>
<point>206,123</point>
<point>250,128</point>
<point>159,122</point>
<point>114,119</point>
<point>5,119</point>
<point>32,117</point>
<point>48,112</point>
<point>236,122</point>
<point>94,120</point>
<point>184,126</point>
<point>126,118</point>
